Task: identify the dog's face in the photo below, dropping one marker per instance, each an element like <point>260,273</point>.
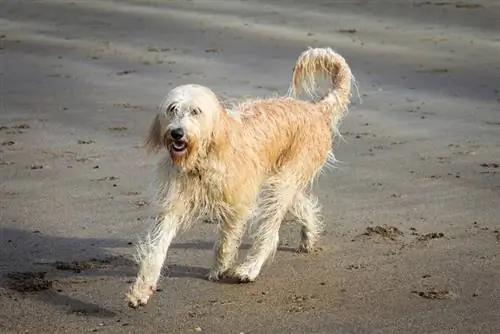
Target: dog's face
<point>185,124</point>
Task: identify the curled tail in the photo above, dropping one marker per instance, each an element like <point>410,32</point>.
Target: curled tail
<point>327,64</point>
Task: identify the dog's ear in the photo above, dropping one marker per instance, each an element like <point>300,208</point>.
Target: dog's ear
<point>154,141</point>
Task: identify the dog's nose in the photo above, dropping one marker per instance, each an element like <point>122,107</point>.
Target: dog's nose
<point>177,133</point>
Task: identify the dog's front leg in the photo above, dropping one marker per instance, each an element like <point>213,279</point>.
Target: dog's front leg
<point>151,255</point>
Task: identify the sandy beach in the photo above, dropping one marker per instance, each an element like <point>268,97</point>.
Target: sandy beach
<point>412,209</point>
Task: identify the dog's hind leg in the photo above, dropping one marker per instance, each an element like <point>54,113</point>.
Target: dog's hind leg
<point>231,229</point>
<point>274,202</point>
<point>306,209</point>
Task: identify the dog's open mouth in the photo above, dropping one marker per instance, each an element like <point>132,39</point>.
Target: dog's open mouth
<point>179,146</point>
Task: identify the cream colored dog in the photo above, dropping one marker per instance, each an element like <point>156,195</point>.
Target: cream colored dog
<point>252,162</point>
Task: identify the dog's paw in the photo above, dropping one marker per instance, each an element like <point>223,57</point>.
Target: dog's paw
<point>214,275</point>
<point>136,301</point>
<point>217,274</point>
<point>307,248</point>
<point>139,294</point>
<point>242,274</point>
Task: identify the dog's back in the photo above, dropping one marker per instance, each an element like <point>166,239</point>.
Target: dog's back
<point>286,129</point>
<point>289,129</point>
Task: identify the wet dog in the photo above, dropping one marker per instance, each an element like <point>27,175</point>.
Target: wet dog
<point>242,165</point>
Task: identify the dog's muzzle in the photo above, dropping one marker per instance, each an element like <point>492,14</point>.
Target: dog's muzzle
<point>178,143</point>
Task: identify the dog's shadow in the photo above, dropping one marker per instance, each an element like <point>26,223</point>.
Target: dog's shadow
<point>33,263</point>
<point>42,267</point>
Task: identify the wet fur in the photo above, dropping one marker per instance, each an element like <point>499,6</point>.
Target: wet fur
<point>245,165</point>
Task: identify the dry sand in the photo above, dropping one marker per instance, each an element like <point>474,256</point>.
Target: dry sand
<point>412,241</point>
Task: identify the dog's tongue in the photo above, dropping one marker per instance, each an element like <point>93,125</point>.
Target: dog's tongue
<point>179,145</point>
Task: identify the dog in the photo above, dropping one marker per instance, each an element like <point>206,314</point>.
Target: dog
<point>247,164</point>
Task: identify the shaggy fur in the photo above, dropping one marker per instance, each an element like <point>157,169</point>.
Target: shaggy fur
<point>253,162</point>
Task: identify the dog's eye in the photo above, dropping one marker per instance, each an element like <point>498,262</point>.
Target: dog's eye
<point>171,108</point>
<point>196,111</point>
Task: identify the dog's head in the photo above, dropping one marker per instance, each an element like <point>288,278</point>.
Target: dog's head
<point>185,124</point>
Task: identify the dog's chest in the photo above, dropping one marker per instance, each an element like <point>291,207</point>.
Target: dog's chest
<point>217,195</point>
<point>209,185</point>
